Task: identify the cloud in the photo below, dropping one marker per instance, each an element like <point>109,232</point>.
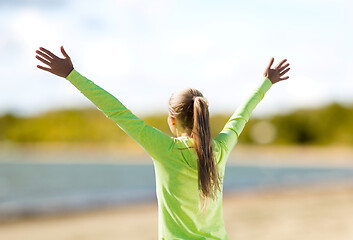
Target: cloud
<point>107,58</point>
<point>2,44</point>
<point>221,68</point>
<point>220,48</point>
<point>42,3</point>
<point>30,31</point>
<point>189,45</point>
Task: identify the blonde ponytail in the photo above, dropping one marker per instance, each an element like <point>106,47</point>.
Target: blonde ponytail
<point>191,109</point>
<point>208,180</point>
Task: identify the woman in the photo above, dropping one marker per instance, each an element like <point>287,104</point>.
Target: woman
<point>190,167</point>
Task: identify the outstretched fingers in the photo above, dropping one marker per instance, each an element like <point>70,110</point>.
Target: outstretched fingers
<point>270,64</point>
<point>44,68</point>
<point>53,56</point>
<point>44,55</point>
<point>55,65</point>
<point>277,73</point>
<point>284,72</point>
<point>284,78</point>
<point>43,60</point>
<point>64,52</point>
<point>283,67</point>
<point>280,64</point>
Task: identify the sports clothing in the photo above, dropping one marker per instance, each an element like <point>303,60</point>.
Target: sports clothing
<point>175,163</point>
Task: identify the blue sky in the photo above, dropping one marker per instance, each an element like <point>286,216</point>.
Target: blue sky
<point>143,51</point>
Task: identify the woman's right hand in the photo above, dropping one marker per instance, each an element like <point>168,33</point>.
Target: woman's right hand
<point>61,67</point>
<point>275,74</point>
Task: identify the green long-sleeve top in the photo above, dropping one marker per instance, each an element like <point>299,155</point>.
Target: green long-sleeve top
<point>175,163</point>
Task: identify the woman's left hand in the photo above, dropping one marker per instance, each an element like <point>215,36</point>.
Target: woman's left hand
<point>276,74</point>
<point>61,67</point>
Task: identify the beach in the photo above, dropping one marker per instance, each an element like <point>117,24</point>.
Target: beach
<point>314,213</point>
<point>321,211</point>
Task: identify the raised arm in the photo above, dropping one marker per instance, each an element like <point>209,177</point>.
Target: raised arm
<point>155,142</point>
<point>228,137</point>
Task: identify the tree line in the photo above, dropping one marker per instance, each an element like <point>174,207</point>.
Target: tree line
<point>331,124</point>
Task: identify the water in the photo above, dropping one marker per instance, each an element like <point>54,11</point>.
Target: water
<point>42,188</point>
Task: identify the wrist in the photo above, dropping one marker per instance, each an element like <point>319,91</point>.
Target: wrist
<point>271,78</point>
<point>70,70</point>
<point>73,74</point>
<point>265,85</point>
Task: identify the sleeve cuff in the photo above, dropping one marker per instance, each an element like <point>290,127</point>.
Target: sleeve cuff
<point>265,85</point>
<point>74,77</point>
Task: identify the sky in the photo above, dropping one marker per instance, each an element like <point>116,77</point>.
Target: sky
<point>143,51</point>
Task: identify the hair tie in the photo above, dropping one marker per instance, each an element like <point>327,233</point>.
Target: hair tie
<point>194,97</point>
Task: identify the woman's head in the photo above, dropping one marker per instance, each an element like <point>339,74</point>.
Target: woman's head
<point>181,108</point>
<point>188,111</point>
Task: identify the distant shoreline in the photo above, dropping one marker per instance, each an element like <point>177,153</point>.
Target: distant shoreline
<point>242,154</point>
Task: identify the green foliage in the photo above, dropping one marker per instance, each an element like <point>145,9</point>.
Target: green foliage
<point>61,126</point>
<point>328,125</point>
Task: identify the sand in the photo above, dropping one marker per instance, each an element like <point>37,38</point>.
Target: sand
<point>313,213</point>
